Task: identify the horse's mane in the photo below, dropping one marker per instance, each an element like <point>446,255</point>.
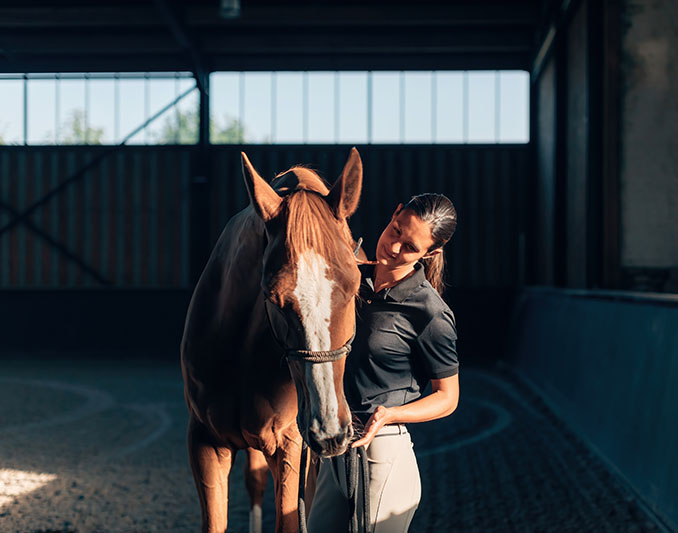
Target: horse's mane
<point>311,224</point>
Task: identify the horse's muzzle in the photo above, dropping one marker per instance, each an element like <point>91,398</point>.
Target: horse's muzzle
<point>329,446</point>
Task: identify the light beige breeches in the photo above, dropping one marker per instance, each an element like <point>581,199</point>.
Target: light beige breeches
<point>395,487</point>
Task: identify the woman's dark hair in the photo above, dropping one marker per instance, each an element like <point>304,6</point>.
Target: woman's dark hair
<point>439,213</point>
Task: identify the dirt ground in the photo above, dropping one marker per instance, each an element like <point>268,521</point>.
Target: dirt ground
<point>99,446</point>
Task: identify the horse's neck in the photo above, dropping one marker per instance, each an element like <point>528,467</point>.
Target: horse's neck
<point>224,299</point>
<point>237,258</point>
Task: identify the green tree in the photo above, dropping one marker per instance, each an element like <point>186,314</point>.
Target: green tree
<point>232,132</point>
<point>182,128</point>
<point>76,130</point>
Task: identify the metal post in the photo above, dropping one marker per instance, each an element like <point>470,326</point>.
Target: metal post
<point>369,107</point>
<point>116,107</point>
<point>337,107</point>
<point>25,109</point>
<point>497,106</point>
<point>274,110</point>
<point>177,119</point>
<point>559,273</point>
<point>464,107</point>
<point>86,117</point>
<point>305,108</point>
<point>57,108</point>
<point>402,107</point>
<point>434,107</point>
<point>200,239</point>
<point>147,103</point>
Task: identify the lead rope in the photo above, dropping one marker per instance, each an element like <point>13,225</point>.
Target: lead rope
<point>302,488</point>
<point>356,466</point>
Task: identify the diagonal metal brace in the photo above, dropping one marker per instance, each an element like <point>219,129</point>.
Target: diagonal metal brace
<point>60,247</point>
<point>79,174</point>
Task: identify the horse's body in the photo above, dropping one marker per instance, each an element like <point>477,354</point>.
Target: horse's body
<point>289,250</point>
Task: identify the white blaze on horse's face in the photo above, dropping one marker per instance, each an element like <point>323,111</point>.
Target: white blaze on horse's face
<point>313,293</point>
<point>314,297</point>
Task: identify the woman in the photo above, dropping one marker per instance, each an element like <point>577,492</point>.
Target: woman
<point>405,338</point>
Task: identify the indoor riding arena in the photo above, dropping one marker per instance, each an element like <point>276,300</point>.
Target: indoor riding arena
<point>550,124</point>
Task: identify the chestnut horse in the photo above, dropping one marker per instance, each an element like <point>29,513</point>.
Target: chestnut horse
<point>281,279</point>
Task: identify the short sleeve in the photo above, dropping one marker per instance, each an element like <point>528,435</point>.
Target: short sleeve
<point>437,346</point>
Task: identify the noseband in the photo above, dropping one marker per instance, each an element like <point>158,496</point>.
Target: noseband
<point>321,356</point>
<point>313,356</point>
<point>307,356</point>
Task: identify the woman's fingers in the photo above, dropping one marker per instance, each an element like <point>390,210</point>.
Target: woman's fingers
<point>374,424</point>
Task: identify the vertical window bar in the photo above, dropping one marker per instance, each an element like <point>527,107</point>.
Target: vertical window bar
<point>305,107</point>
<point>25,109</point>
<point>402,106</point>
<point>116,106</point>
<point>337,109</point>
<point>434,107</point>
<point>86,117</point>
<point>241,97</point>
<point>147,103</point>
<point>369,106</point>
<point>177,117</point>
<point>464,107</point>
<point>497,104</point>
<point>274,99</point>
<point>57,108</point>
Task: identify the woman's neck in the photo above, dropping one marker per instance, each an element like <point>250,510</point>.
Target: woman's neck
<point>385,277</point>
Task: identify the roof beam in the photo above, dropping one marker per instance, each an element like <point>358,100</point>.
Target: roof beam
<point>285,16</point>
<point>181,34</point>
<point>168,62</point>
<point>240,40</point>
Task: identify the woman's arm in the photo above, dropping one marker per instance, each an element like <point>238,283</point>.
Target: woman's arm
<point>441,402</point>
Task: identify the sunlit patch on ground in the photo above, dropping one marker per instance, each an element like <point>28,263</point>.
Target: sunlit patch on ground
<point>14,483</point>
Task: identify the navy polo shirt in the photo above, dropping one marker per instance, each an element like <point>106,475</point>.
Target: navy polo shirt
<point>405,336</point>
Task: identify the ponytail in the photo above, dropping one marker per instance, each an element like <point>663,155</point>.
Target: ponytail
<point>434,270</point>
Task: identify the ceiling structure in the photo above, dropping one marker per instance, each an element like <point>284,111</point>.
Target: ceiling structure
<point>172,35</point>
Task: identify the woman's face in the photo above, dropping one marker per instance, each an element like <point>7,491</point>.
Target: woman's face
<point>404,241</point>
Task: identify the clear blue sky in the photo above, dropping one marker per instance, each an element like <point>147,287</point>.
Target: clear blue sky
<point>290,107</point>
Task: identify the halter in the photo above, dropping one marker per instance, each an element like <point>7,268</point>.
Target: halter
<point>320,356</point>
<point>312,356</point>
<point>307,356</point>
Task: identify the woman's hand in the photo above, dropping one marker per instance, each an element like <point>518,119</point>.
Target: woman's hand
<point>378,420</point>
<point>442,402</point>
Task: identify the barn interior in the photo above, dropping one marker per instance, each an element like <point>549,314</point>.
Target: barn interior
<point>562,274</point>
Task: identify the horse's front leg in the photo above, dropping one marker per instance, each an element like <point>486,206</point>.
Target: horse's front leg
<point>284,465</point>
<point>211,465</point>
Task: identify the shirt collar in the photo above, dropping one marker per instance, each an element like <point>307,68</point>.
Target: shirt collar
<point>402,290</point>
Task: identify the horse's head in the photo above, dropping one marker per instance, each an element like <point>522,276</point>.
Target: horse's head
<point>310,280</point>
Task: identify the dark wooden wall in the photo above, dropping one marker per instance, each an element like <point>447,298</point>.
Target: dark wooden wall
<point>127,222</point>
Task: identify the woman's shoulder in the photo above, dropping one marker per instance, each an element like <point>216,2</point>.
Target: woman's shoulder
<point>432,303</point>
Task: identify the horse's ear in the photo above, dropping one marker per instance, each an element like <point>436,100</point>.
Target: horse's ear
<point>265,200</point>
<point>345,193</point>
